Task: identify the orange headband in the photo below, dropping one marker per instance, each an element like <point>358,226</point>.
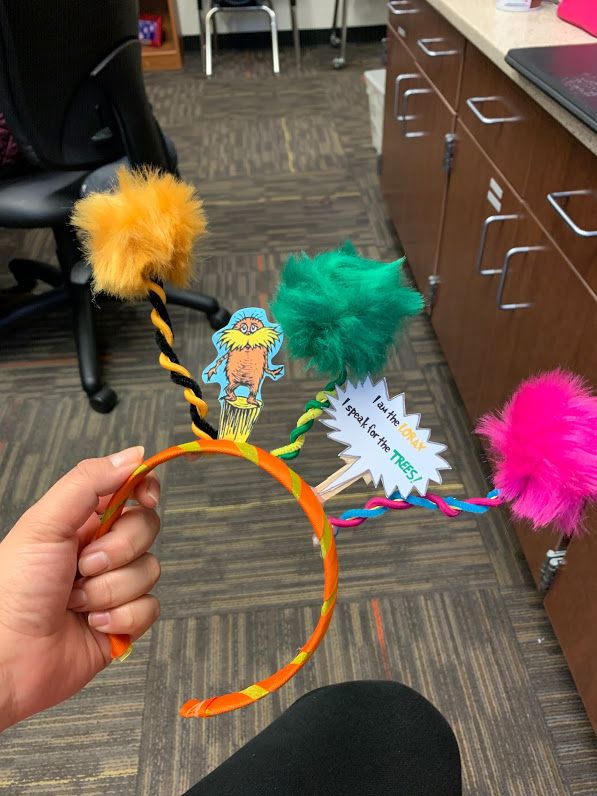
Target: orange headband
<point>307,500</point>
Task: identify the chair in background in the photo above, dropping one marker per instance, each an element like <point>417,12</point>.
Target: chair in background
<point>213,8</point>
<point>72,91</point>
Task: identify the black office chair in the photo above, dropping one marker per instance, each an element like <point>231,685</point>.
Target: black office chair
<point>72,91</point>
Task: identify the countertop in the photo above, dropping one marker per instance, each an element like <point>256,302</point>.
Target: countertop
<point>495,32</point>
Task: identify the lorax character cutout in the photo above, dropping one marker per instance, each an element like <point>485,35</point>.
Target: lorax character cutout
<point>246,348</point>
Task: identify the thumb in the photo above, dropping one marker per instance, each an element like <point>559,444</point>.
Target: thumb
<point>74,498</point>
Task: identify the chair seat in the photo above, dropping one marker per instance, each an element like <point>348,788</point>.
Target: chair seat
<point>39,199</point>
<point>46,198</point>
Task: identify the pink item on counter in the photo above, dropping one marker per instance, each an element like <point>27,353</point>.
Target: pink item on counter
<point>582,13</point>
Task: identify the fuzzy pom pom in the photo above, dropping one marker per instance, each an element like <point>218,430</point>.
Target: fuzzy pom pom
<point>145,229</point>
<point>339,310</point>
<point>544,443</point>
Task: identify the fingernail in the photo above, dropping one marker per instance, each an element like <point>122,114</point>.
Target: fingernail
<point>153,491</point>
<point>100,620</point>
<point>94,563</point>
<point>129,456</point>
<point>78,599</point>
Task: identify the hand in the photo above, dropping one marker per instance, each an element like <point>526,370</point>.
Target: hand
<point>60,593</point>
<point>211,373</point>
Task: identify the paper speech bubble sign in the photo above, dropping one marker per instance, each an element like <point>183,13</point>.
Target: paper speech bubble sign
<point>384,441</point>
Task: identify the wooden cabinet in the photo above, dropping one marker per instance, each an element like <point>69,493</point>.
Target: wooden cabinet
<point>514,224</point>
<point>496,329</point>
<point>564,195</point>
<point>477,233</point>
<point>413,177</point>
<point>436,46</point>
<point>499,115</point>
<point>400,71</point>
<point>169,55</point>
<point>532,329</point>
<point>542,317</point>
<point>572,610</point>
<point>438,50</point>
<point>405,18</point>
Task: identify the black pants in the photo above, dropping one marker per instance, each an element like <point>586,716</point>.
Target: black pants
<point>358,738</point>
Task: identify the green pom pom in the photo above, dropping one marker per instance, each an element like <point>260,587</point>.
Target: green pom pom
<point>340,311</point>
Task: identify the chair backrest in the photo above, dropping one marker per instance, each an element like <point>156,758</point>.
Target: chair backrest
<point>71,84</point>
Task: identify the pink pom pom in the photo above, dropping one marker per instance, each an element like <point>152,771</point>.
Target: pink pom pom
<point>544,443</point>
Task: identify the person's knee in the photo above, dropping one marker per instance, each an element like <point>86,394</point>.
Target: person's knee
<point>389,718</point>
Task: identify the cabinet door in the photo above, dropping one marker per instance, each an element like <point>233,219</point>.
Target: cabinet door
<point>479,228</point>
<point>413,180</point>
<point>404,17</point>
<point>400,73</point>
<point>564,196</point>
<point>542,316</point>
<point>500,116</point>
<point>572,608</point>
<point>426,120</point>
<point>439,50</point>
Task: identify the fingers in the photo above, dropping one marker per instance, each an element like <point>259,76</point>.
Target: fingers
<point>119,572</point>
<point>71,501</point>
<point>132,535</point>
<point>117,587</point>
<point>147,493</point>
<point>133,619</point>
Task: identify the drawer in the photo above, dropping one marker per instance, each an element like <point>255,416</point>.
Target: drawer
<point>438,48</point>
<point>499,115</point>
<point>404,17</point>
<point>564,195</point>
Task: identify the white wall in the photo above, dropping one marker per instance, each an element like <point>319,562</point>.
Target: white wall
<point>312,14</point>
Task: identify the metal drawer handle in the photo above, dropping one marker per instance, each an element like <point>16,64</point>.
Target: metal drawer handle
<point>398,12</point>
<point>404,117</point>
<point>486,119</point>
<point>399,80</point>
<point>553,197</point>
<point>486,224</point>
<point>500,293</point>
<point>422,45</point>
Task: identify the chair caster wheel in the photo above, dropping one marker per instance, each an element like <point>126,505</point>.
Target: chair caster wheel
<point>334,40</point>
<point>103,401</point>
<point>219,318</point>
<point>339,63</point>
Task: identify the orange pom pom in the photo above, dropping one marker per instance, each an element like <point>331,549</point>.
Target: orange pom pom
<point>143,230</point>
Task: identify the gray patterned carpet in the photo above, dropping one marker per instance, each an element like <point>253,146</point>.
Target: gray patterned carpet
<point>445,606</point>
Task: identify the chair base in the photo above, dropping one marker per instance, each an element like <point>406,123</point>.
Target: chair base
<point>71,284</point>
<point>217,316</point>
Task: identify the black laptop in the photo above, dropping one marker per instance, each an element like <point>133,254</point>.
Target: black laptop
<point>568,73</point>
